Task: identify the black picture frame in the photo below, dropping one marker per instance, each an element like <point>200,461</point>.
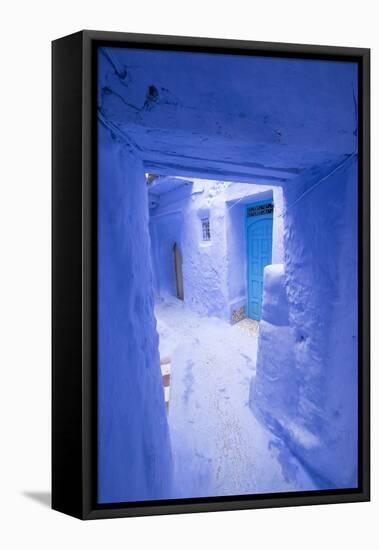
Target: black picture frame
<point>74,290</point>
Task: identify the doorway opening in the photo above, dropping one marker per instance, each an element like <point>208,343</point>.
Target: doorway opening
<point>178,261</point>
<point>259,253</point>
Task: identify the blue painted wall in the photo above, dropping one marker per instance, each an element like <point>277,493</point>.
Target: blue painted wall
<point>307,367</point>
<point>133,441</point>
<point>281,122</point>
<point>229,117</point>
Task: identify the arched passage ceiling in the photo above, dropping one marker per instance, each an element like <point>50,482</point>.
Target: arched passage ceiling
<point>235,117</point>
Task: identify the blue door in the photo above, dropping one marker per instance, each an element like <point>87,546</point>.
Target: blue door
<point>259,251</point>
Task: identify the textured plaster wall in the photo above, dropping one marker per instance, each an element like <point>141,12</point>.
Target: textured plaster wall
<point>133,445</point>
<point>241,118</point>
<point>204,265</point>
<point>283,122</point>
<point>178,219</point>
<point>306,384</point>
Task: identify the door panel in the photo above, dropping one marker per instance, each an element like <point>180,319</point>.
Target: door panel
<point>259,252</point>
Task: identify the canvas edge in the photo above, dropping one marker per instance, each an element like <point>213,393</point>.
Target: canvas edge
<point>66,451</point>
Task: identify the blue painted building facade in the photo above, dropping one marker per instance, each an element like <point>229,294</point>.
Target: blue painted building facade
<point>288,125</point>
<point>224,232</point>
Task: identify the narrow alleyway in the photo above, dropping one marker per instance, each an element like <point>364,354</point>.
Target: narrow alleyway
<point>219,447</point>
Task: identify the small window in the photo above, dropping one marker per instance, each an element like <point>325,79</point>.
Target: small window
<point>206,229</point>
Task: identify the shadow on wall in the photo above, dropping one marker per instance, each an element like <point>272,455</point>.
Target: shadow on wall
<point>165,232</point>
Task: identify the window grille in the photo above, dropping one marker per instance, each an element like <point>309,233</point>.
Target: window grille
<point>260,209</point>
<point>206,229</point>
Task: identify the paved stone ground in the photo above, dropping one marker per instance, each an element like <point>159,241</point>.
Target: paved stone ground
<point>219,447</point>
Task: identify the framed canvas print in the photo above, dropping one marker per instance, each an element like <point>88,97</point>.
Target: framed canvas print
<point>210,275</point>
